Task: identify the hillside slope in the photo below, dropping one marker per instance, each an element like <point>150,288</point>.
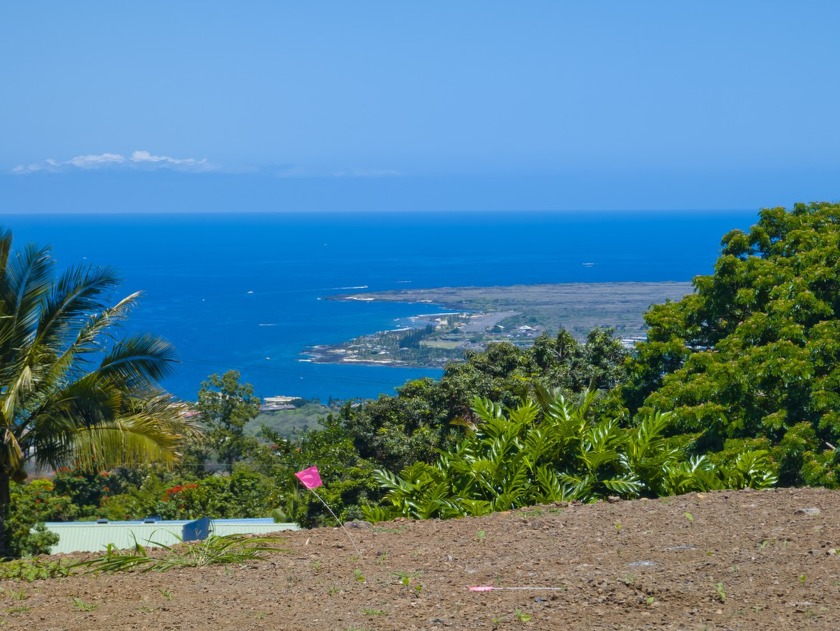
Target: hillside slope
<point>725,560</point>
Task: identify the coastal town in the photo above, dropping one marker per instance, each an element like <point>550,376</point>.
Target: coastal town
<point>429,340</point>
<point>479,316</point>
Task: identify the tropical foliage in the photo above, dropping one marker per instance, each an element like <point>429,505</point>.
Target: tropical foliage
<point>737,385</point>
<point>69,390</point>
<point>396,431</point>
<point>30,506</point>
<point>557,450</point>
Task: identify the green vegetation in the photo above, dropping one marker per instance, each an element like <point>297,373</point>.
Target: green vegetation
<point>290,424</point>
<point>720,593</point>
<point>736,386</point>
<point>225,407</point>
<point>81,605</point>
<point>752,357</point>
<point>521,616</point>
<point>33,569</point>
<point>552,451</point>
<point>214,550</point>
<point>70,392</point>
<point>395,432</point>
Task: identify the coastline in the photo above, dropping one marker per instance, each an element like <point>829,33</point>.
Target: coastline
<point>480,316</point>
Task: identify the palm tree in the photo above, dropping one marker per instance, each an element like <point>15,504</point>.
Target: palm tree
<point>70,390</point>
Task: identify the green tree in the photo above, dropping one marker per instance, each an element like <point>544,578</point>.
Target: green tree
<point>225,406</point>
<point>755,350</point>
<point>70,392</point>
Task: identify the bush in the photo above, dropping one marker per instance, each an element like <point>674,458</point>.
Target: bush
<point>556,450</point>
<point>31,505</point>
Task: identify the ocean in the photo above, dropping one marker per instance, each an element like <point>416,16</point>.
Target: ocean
<point>245,291</point>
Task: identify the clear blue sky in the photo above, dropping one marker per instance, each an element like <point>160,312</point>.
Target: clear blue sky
<point>466,105</point>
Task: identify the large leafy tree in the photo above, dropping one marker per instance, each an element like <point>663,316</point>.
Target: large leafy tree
<point>225,407</point>
<point>755,350</point>
<point>71,392</point>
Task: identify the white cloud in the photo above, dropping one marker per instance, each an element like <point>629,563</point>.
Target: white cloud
<point>91,161</point>
<point>143,160</point>
<point>191,163</point>
<point>140,159</point>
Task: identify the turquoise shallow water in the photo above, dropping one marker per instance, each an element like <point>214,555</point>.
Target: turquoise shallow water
<point>245,291</point>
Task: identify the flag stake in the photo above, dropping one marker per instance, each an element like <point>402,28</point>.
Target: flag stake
<point>311,479</point>
<point>338,520</point>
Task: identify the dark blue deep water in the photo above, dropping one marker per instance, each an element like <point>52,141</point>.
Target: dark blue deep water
<point>242,290</point>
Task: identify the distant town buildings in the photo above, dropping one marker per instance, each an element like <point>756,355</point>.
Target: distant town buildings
<point>274,404</point>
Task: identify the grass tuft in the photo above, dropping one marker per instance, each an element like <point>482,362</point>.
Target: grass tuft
<point>214,550</point>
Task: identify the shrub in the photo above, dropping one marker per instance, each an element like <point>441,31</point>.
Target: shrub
<point>557,450</point>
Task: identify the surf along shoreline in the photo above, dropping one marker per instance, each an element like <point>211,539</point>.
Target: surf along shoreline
<point>470,318</point>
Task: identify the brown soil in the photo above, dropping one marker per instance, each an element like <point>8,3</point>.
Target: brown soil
<point>728,560</point>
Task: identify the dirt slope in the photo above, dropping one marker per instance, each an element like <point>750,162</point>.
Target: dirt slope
<point>729,560</point>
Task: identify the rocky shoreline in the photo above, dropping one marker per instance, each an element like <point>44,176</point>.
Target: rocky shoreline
<point>483,315</point>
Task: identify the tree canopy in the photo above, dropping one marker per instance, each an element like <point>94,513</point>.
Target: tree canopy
<point>225,406</point>
<point>753,352</point>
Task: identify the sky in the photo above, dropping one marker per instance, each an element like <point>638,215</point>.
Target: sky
<point>222,106</point>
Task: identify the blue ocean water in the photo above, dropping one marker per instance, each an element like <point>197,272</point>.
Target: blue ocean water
<point>245,291</point>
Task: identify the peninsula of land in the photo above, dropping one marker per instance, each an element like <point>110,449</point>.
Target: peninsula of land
<point>474,317</point>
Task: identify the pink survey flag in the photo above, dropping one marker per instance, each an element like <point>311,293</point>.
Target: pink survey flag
<point>310,477</point>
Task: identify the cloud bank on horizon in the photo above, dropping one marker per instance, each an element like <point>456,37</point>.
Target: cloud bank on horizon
<point>147,161</point>
<point>140,159</point>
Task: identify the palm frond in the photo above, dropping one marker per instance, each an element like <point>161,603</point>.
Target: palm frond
<point>485,409</point>
<point>78,292</point>
<point>138,361</point>
<point>69,391</point>
<point>5,249</point>
<point>625,486</point>
<point>12,454</point>
<point>550,488</point>
<point>147,432</point>
<point>123,444</point>
<point>89,337</point>
<point>24,288</point>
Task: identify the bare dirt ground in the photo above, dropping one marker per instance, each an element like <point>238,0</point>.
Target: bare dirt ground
<point>727,560</point>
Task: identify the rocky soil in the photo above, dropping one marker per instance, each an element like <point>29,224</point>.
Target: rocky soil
<point>726,560</point>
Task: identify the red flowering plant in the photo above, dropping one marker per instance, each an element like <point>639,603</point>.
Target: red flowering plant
<point>181,501</point>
